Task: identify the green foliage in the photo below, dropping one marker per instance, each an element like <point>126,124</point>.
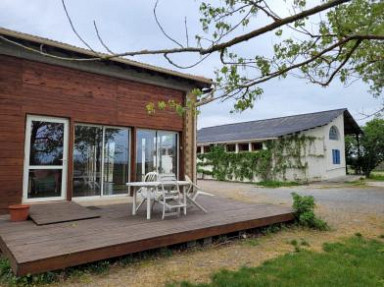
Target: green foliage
<point>275,183</point>
<point>371,152</point>
<point>353,262</point>
<point>236,166</point>
<point>267,164</point>
<point>377,177</point>
<point>355,29</point>
<point>303,207</point>
<point>7,277</point>
<point>373,145</point>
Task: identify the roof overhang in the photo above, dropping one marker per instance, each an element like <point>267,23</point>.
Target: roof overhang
<point>235,142</point>
<point>350,125</point>
<point>35,48</point>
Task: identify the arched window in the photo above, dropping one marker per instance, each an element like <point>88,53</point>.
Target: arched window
<point>333,133</point>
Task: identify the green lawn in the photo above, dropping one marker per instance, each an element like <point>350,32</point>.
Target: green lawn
<point>377,176</point>
<point>354,262</point>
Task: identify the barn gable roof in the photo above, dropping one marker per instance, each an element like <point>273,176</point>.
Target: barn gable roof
<point>274,128</point>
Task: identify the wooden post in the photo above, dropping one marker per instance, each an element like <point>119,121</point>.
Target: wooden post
<point>358,170</point>
<point>190,140</point>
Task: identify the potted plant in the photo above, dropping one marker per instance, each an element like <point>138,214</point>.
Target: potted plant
<point>19,212</point>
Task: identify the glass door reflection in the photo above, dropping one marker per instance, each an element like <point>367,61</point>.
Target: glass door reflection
<point>101,160</point>
<point>156,151</point>
<point>46,158</point>
<point>87,153</point>
<point>116,161</point>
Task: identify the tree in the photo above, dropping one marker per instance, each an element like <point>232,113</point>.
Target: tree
<point>372,144</point>
<point>371,148</point>
<point>335,38</point>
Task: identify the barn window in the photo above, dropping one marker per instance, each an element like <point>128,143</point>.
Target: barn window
<point>257,146</point>
<point>231,147</point>
<point>333,133</point>
<point>336,156</point>
<point>243,147</point>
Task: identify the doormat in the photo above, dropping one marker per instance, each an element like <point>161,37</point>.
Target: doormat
<point>43,214</point>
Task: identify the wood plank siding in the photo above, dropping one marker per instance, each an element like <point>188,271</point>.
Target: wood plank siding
<point>34,88</point>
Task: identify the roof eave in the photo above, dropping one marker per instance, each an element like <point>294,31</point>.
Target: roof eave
<point>200,81</point>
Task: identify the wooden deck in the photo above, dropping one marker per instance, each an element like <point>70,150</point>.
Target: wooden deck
<point>34,249</point>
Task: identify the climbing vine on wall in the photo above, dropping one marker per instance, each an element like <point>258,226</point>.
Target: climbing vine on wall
<point>267,164</point>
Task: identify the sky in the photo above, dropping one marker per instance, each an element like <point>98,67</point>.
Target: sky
<point>130,25</point>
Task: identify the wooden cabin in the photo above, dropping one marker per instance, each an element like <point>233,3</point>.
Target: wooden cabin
<point>71,130</point>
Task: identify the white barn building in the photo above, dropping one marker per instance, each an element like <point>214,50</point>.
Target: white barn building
<point>324,156</point>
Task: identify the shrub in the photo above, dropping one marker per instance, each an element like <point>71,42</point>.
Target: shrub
<point>303,207</point>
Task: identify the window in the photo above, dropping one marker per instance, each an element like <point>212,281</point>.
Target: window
<point>100,160</point>
<point>156,151</point>
<point>243,147</point>
<point>336,156</point>
<point>257,146</point>
<point>207,148</point>
<point>231,147</point>
<point>333,133</point>
<point>198,150</point>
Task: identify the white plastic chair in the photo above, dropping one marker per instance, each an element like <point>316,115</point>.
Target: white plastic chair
<point>169,196</point>
<point>193,192</point>
<point>143,191</point>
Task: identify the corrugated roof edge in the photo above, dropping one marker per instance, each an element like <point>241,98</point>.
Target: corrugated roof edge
<point>341,110</point>
<point>57,44</point>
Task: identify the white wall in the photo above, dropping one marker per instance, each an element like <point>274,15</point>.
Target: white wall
<point>318,155</point>
<point>313,156</point>
<point>335,170</point>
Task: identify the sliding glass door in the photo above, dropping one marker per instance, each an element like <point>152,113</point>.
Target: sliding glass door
<point>116,161</point>
<point>101,160</point>
<point>156,151</point>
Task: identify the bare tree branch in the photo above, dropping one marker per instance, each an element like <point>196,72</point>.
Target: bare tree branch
<point>348,56</point>
<point>184,67</point>
<point>186,31</point>
<point>161,27</point>
<point>74,29</point>
<point>330,48</point>
<point>100,39</point>
<point>366,116</point>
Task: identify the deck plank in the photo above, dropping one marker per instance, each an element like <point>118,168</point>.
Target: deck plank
<point>33,249</point>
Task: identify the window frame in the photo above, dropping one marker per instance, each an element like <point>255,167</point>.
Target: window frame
<point>334,136</point>
<point>158,151</point>
<point>336,157</point>
<point>103,127</point>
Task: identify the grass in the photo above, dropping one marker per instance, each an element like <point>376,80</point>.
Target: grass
<point>86,271</point>
<point>377,176</point>
<point>275,183</point>
<point>353,262</point>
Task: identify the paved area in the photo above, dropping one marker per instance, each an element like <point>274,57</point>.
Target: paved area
<point>343,205</point>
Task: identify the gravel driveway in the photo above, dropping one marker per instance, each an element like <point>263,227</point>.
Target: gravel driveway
<point>341,204</point>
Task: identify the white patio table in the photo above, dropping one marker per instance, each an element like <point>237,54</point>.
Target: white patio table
<point>185,186</point>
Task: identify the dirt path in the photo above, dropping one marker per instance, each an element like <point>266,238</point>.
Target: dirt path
<point>347,208</point>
